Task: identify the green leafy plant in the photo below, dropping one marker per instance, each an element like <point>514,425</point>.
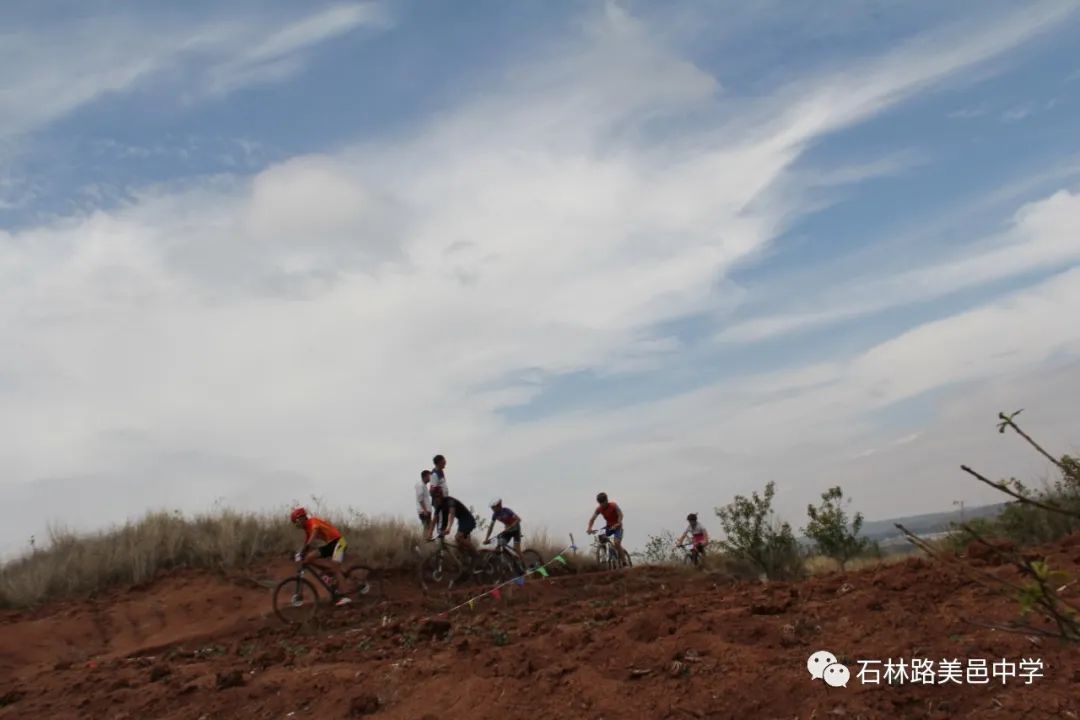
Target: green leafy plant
<point>754,534</point>
<point>833,534</point>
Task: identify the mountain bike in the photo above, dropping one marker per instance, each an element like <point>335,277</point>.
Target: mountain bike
<point>691,555</point>
<point>448,567</point>
<point>503,563</point>
<point>607,557</point>
<point>296,599</point>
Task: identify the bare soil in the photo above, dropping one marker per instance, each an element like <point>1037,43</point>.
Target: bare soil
<point>644,643</point>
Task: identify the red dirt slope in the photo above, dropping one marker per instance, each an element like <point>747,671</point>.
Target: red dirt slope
<point>646,643</point>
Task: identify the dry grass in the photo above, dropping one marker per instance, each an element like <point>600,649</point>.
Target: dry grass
<point>80,565</point>
<point>820,565</point>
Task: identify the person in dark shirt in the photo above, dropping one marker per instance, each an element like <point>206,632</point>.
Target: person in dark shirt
<point>451,508</point>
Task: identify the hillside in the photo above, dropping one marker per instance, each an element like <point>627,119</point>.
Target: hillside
<point>646,643</point>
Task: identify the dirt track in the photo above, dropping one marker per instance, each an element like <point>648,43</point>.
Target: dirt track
<point>647,643</point>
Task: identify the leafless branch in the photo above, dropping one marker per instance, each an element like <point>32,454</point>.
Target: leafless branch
<point>1022,498</point>
<point>1007,421</point>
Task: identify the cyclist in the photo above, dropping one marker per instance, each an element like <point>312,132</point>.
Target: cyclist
<point>613,520</point>
<point>451,508</point>
<point>697,532</point>
<point>333,547</point>
<point>511,525</point>
<point>423,500</point>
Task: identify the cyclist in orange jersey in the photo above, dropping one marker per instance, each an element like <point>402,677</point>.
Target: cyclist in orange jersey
<point>332,549</point>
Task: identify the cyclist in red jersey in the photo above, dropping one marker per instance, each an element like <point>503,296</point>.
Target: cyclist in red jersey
<point>333,547</point>
<point>613,519</point>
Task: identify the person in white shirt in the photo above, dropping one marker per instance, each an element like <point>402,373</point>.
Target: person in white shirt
<point>423,501</point>
<point>437,486</point>
<point>699,536</point>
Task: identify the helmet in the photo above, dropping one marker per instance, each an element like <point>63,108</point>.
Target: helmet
<point>692,517</point>
<point>297,514</point>
<point>601,498</point>
<point>495,502</point>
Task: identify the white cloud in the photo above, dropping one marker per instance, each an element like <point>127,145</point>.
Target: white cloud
<point>337,319</point>
<point>1017,113</point>
<point>277,57</point>
<point>46,73</point>
<point>967,113</point>
<point>1042,237</point>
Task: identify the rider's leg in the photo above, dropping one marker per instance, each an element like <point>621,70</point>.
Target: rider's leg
<point>617,536</point>
<point>328,560</point>
<point>337,562</point>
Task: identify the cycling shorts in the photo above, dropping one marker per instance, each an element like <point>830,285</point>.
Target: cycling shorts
<point>617,533</point>
<point>466,525</point>
<point>335,550</point>
<point>511,535</point>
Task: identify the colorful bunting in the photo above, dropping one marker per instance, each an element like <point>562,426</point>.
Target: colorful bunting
<point>496,592</point>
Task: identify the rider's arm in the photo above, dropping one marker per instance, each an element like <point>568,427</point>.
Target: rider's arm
<point>592,520</point>
<point>450,519</point>
<point>514,524</point>
<point>681,538</point>
<point>491,526</point>
<point>618,524</point>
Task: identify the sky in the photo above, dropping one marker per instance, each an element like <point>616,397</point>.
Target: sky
<point>253,254</point>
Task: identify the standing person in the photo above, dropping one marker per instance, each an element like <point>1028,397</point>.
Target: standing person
<point>438,476</point>
<point>613,523</point>
<point>423,501</point>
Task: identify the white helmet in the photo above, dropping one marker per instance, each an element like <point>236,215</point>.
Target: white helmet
<point>496,501</point>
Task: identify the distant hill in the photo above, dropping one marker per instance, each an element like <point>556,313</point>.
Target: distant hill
<point>929,523</point>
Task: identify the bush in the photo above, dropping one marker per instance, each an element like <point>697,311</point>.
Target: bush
<point>660,550</point>
<point>753,533</point>
<point>831,532</point>
<point>1026,524</point>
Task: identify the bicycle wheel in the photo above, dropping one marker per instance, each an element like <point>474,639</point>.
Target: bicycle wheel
<point>295,600</point>
<point>438,571</point>
<point>498,568</point>
<point>357,575</point>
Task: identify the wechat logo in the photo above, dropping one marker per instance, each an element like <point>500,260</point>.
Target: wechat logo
<point>822,665</point>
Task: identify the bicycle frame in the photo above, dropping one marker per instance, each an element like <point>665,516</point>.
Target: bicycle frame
<point>690,552</point>
<point>317,573</point>
<point>603,546</point>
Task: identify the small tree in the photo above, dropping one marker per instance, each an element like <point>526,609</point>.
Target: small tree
<point>660,549</point>
<point>830,530</point>
<point>753,533</point>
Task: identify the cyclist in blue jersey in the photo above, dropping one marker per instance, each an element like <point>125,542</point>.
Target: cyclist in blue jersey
<point>511,525</point>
